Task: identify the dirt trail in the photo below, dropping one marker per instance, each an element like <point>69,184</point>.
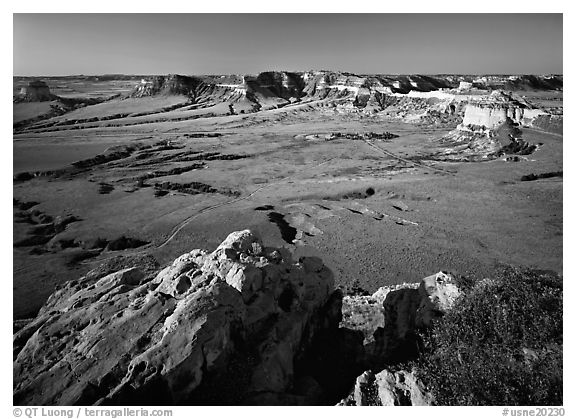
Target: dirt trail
<point>187,220</point>
<point>394,156</point>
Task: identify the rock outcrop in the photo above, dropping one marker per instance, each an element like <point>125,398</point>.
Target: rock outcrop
<point>405,310</point>
<point>400,388</point>
<point>172,84</point>
<point>225,327</point>
<point>491,128</point>
<point>283,84</point>
<point>494,110</point>
<point>36,91</point>
<point>244,324</point>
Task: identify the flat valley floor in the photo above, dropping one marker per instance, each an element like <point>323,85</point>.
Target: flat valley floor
<point>376,211</point>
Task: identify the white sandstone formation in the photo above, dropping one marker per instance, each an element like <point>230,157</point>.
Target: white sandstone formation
<point>386,388</point>
<point>130,339</point>
<point>495,110</point>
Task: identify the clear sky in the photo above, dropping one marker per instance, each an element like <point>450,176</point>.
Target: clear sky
<point>66,44</point>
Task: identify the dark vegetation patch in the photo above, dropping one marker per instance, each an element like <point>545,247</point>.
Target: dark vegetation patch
<point>264,208</point>
<point>400,206</point>
<point>202,135</point>
<point>287,232</point>
<point>105,188</point>
<point>501,344</point>
<point>214,156</point>
<point>160,193</point>
<point>357,194</point>
<point>164,145</point>
<point>148,158</point>
<point>144,155</point>
<point>23,176</point>
<point>532,176</point>
<point>191,188</point>
<point>67,243</point>
<point>519,147</point>
<point>171,172</point>
<point>363,136</point>
<point>124,242</point>
<point>22,205</point>
<point>117,154</point>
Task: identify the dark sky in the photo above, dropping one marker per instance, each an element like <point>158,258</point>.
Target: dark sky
<point>64,44</point>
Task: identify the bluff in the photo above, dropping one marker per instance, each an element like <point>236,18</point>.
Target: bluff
<point>172,84</point>
<point>491,127</point>
<point>35,91</point>
<point>498,108</point>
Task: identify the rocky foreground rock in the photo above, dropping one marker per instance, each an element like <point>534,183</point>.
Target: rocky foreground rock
<point>407,309</point>
<point>130,339</point>
<point>244,324</point>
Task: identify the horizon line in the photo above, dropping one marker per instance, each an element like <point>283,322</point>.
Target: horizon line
<point>292,71</point>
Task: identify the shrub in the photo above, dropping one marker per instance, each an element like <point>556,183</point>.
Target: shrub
<point>501,344</point>
<point>124,242</point>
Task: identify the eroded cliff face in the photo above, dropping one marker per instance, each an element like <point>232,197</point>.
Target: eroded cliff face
<point>414,98</point>
<point>491,128</point>
<point>172,84</point>
<point>284,84</point>
<point>347,92</point>
<point>496,109</point>
<point>492,115</point>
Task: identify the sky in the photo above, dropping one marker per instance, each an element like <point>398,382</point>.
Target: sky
<point>91,44</point>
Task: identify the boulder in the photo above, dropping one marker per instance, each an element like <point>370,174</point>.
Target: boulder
<point>400,388</point>
<point>211,328</point>
<point>438,293</point>
<point>405,310</point>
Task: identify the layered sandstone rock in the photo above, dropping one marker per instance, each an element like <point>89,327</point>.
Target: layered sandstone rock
<point>284,84</point>
<point>491,128</point>
<point>496,109</point>
<point>172,84</point>
<point>210,328</point>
